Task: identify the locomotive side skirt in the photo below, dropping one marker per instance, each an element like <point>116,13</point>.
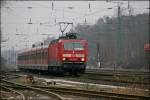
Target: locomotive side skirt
<point>34,66</point>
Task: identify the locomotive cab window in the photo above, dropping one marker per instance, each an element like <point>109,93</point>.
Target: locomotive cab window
<point>73,46</point>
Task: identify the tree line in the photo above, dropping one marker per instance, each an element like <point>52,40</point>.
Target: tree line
<point>122,39</point>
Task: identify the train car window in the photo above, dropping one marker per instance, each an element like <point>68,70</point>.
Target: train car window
<point>31,56</point>
<point>18,57</point>
<point>78,46</point>
<point>24,57</point>
<point>39,55</point>
<point>42,54</point>
<point>28,57</point>
<point>45,55</point>
<point>68,46</point>
<point>73,46</point>
<point>35,56</point>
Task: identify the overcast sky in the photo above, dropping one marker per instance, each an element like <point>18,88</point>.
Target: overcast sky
<point>15,16</point>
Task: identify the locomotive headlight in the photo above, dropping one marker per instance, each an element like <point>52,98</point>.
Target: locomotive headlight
<point>82,59</point>
<point>63,59</point>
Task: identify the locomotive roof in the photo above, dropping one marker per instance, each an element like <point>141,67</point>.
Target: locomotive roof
<point>32,50</point>
<point>68,36</point>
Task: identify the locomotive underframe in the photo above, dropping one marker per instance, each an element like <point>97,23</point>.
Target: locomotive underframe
<point>77,67</point>
<point>68,67</point>
<point>65,67</point>
<point>33,66</point>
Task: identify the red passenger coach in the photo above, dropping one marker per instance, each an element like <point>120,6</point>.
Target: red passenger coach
<point>64,55</point>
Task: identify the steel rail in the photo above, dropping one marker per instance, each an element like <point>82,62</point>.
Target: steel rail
<point>120,80</point>
<point>111,78</point>
<point>6,75</point>
<point>16,85</point>
<point>117,72</point>
<point>23,97</point>
<point>122,77</point>
<point>94,93</point>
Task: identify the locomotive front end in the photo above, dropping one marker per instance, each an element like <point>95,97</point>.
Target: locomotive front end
<point>74,55</point>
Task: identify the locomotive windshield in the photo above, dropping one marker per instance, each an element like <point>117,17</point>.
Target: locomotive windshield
<point>73,46</point>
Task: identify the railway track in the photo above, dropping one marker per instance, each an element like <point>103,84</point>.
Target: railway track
<point>79,92</point>
<point>120,77</point>
<point>127,73</point>
<point>10,93</point>
<point>31,92</point>
<point>82,92</point>
<point>8,75</point>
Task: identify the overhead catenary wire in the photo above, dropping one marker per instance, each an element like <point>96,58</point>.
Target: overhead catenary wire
<point>90,14</point>
<point>93,13</point>
<point>66,11</point>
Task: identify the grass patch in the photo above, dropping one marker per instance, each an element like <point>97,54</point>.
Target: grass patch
<point>83,76</point>
<point>20,80</point>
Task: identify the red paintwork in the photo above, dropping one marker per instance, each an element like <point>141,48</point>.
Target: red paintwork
<point>147,51</point>
<point>73,52</point>
<point>147,47</point>
<point>55,53</point>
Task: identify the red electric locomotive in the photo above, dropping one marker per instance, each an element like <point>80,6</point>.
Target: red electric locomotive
<point>64,55</point>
